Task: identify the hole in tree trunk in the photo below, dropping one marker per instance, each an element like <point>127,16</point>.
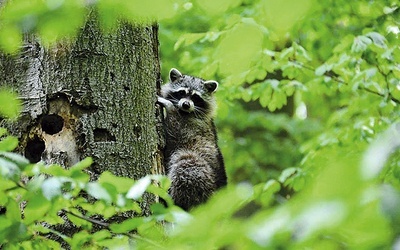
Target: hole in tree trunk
<point>34,150</point>
<point>52,124</point>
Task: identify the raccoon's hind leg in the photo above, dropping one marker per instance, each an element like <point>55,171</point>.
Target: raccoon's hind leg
<point>192,179</point>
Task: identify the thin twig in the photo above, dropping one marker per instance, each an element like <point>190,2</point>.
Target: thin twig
<point>17,185</point>
<point>97,222</point>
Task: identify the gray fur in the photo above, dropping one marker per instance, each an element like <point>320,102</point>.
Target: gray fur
<point>193,160</point>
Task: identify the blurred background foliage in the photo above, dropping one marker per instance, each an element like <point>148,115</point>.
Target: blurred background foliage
<point>296,76</point>
<point>308,104</point>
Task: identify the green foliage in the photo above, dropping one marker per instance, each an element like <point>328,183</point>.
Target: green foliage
<point>58,20</point>
<point>296,76</point>
<point>33,195</point>
<point>9,104</point>
<point>308,125</point>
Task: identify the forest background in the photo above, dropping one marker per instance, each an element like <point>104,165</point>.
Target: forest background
<point>308,110</point>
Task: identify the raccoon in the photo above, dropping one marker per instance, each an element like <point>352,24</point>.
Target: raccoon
<point>194,161</point>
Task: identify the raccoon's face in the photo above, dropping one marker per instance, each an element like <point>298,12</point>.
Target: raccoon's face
<point>190,95</point>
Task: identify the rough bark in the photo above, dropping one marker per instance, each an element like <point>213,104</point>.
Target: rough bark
<point>93,97</point>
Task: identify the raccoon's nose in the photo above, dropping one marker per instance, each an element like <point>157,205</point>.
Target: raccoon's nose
<point>186,105</point>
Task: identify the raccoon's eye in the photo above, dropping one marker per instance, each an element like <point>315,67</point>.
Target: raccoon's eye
<point>196,98</point>
<point>181,93</point>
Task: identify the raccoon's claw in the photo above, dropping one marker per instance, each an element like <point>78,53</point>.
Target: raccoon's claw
<point>169,106</point>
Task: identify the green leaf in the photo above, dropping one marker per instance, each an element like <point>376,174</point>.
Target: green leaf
<point>79,239</point>
<point>247,94</point>
<point>264,192</point>
<point>127,225</point>
<point>77,173</point>
<point>161,193</point>
<point>3,131</point>
<point>321,70</point>
<point>266,96</point>
<point>101,235</point>
<point>10,41</point>
<point>5,184</point>
<point>10,105</point>
<point>61,22</point>
<point>9,143</point>
<point>286,174</point>
<point>36,209</point>
<point>93,208</point>
<point>13,212</point>
<point>5,224</point>
<point>85,163</point>
<point>77,218</point>
<point>122,184</point>
<point>277,101</point>
<point>16,232</point>
<point>118,242</point>
<point>55,170</point>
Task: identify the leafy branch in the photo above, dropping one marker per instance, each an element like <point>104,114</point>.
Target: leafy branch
<point>338,80</point>
<point>107,226</point>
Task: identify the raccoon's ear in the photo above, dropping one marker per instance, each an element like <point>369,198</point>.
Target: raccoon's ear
<point>211,85</point>
<point>174,74</point>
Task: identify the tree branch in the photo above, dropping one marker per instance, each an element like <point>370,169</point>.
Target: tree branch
<point>97,222</point>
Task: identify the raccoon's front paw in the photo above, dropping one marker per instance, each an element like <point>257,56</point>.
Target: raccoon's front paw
<point>169,106</point>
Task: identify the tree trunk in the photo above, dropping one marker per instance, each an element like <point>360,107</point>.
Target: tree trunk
<point>93,97</point>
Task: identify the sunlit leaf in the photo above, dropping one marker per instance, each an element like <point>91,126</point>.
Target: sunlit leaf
<point>379,152</point>
<point>16,158</point>
<point>377,39</point>
<point>9,169</point>
<point>85,163</point>
<point>360,43</point>
<point>52,187</point>
<point>122,184</point>
<point>321,70</point>
<point>138,189</point>
<point>286,174</point>
<point>97,191</point>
